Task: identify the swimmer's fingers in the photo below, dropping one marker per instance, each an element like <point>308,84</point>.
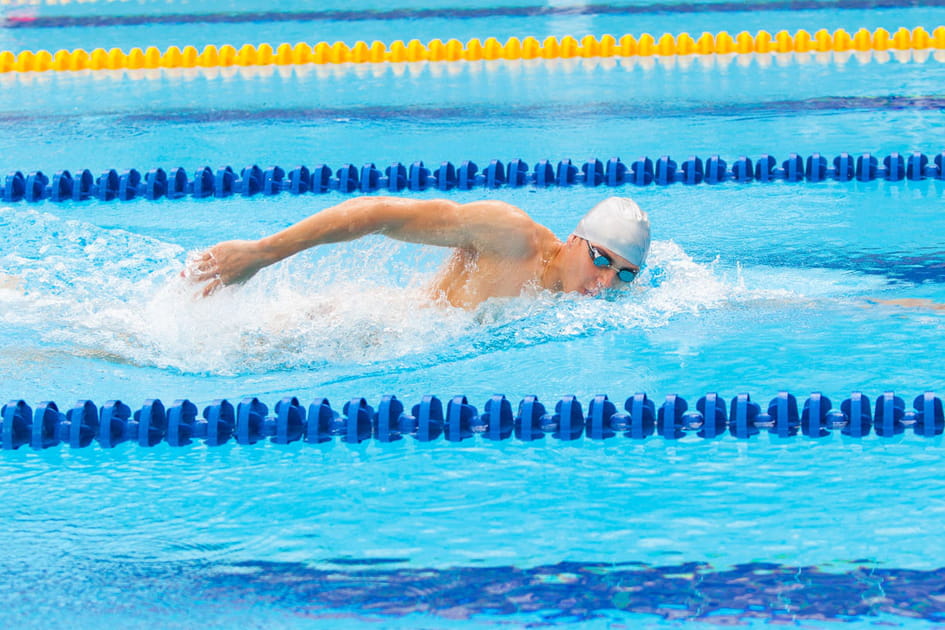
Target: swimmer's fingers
<point>202,266</point>
<point>211,287</point>
<point>226,263</point>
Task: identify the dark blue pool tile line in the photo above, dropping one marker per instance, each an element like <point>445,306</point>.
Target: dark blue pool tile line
<point>473,113</point>
<point>550,594</point>
<point>540,112</point>
<point>574,591</point>
<point>927,268</point>
<point>460,13</point>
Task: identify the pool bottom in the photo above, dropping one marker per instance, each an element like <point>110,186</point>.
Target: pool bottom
<point>431,535</point>
<point>354,592</point>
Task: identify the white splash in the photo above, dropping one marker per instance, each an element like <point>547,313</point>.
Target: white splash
<point>119,295</point>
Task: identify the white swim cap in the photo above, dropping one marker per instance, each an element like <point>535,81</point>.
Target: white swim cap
<point>619,225</point>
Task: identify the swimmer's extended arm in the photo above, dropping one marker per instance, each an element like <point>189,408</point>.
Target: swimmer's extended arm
<point>492,226</point>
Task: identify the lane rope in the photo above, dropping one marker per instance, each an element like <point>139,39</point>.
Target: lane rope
<point>157,183</point>
<point>457,420</point>
<point>646,45</point>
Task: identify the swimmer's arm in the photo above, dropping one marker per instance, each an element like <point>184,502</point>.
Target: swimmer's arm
<point>492,226</point>
<point>481,225</point>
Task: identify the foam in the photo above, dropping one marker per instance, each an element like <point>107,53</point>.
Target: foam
<point>118,296</point>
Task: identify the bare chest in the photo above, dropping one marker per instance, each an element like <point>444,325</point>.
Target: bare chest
<point>467,280</point>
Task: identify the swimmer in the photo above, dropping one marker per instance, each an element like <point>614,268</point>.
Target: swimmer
<point>499,251</point>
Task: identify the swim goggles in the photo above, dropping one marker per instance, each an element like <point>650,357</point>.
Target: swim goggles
<point>601,259</point>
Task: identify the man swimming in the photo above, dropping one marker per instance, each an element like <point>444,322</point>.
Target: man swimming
<point>498,249</point>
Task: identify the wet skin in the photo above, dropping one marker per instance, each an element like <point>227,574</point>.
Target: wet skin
<point>499,251</point>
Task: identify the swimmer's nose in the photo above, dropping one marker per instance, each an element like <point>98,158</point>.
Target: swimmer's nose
<point>607,277</point>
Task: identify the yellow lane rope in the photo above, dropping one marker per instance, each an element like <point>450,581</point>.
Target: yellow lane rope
<point>474,50</point>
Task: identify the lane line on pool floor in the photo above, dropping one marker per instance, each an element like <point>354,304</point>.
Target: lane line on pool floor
<point>27,20</point>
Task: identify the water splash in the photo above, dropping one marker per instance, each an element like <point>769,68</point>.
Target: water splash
<point>118,295</point>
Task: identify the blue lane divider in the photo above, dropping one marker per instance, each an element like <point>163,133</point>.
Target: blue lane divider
<point>250,422</point>
<point>225,182</point>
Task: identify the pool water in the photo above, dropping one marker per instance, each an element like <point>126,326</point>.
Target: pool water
<point>749,288</point>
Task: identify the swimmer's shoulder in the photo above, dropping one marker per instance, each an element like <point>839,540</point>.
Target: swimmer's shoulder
<point>507,230</point>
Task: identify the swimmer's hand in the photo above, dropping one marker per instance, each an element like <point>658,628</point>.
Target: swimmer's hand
<point>229,262</point>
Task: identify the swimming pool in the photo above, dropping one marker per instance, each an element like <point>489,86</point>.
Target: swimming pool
<point>751,288</point>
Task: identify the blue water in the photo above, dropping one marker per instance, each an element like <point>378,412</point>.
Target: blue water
<point>750,288</point>
<point>436,112</point>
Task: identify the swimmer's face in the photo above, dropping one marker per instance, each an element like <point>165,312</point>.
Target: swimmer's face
<point>594,268</point>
